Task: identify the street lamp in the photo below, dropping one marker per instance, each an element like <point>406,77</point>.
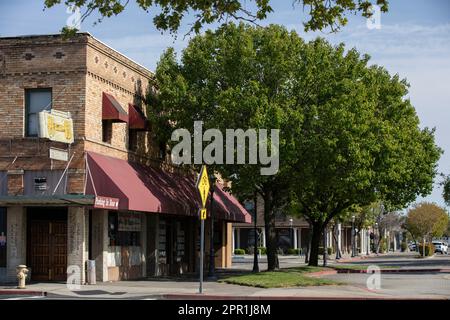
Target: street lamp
<point>353,236</point>
<point>377,241</point>
<point>212,253</point>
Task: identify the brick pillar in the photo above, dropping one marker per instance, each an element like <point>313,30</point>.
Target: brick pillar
<point>76,240</point>
<point>100,243</point>
<point>15,182</point>
<point>16,240</point>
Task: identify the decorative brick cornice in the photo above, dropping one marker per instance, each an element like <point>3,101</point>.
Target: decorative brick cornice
<point>114,85</point>
<point>119,57</point>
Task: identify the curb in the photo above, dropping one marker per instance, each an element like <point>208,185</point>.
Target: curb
<point>225,297</point>
<point>358,258</point>
<point>396,271</point>
<point>15,292</point>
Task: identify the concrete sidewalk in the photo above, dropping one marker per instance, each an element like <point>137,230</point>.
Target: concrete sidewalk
<point>147,289</point>
<point>188,290</point>
<point>429,282</point>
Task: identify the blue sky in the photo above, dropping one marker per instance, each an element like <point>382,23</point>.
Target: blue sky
<point>414,41</point>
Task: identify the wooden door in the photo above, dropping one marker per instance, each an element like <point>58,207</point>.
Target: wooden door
<point>48,250</point>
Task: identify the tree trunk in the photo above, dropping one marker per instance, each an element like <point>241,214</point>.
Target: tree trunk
<point>317,229</point>
<point>336,241</point>
<point>271,236</point>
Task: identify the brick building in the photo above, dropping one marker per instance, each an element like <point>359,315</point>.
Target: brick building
<point>115,199</point>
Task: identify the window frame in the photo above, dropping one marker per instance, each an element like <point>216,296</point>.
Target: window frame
<point>28,91</point>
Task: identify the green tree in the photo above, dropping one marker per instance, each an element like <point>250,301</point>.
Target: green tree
<point>426,220</point>
<point>359,141</point>
<point>348,137</point>
<point>236,77</point>
<point>168,15</point>
<point>446,191</point>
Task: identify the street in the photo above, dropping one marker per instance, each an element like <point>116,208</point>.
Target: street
<point>416,285</point>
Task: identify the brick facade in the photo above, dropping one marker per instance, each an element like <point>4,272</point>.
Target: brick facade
<point>78,71</point>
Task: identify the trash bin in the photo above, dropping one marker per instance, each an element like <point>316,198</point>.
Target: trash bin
<point>91,274</point>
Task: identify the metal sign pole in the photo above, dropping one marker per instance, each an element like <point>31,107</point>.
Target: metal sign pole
<point>202,248</point>
<point>203,187</point>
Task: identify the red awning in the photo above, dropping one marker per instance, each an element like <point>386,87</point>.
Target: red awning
<point>112,110</point>
<point>138,121</point>
<point>147,189</point>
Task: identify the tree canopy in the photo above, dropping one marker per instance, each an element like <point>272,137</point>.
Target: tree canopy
<point>359,141</point>
<point>168,15</point>
<point>426,220</point>
<point>348,135</point>
<point>446,190</point>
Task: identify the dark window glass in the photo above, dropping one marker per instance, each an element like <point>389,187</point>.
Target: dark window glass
<point>2,237</point>
<point>36,100</point>
<point>107,128</point>
<point>121,238</point>
<point>132,139</point>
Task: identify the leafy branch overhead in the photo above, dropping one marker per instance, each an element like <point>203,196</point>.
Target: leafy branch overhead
<point>169,14</point>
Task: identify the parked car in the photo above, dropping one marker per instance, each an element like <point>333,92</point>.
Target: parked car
<point>440,246</point>
<point>412,246</point>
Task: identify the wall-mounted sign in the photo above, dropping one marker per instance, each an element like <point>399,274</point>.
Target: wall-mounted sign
<point>129,222</point>
<point>106,203</point>
<point>59,154</point>
<point>56,126</point>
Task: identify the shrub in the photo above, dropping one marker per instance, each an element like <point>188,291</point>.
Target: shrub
<point>250,250</point>
<point>429,249</point>
<point>329,251</point>
<point>404,246</point>
<point>239,251</point>
<point>293,251</point>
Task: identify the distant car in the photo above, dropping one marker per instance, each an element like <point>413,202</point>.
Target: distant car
<point>412,247</point>
<point>440,246</point>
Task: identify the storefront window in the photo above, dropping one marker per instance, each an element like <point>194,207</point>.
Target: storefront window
<point>124,229</point>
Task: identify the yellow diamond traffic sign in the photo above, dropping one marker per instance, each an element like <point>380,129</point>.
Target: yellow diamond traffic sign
<point>203,214</point>
<point>203,185</point>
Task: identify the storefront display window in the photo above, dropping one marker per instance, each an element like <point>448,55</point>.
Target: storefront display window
<point>124,229</point>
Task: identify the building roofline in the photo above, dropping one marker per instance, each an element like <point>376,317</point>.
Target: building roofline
<point>85,33</point>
